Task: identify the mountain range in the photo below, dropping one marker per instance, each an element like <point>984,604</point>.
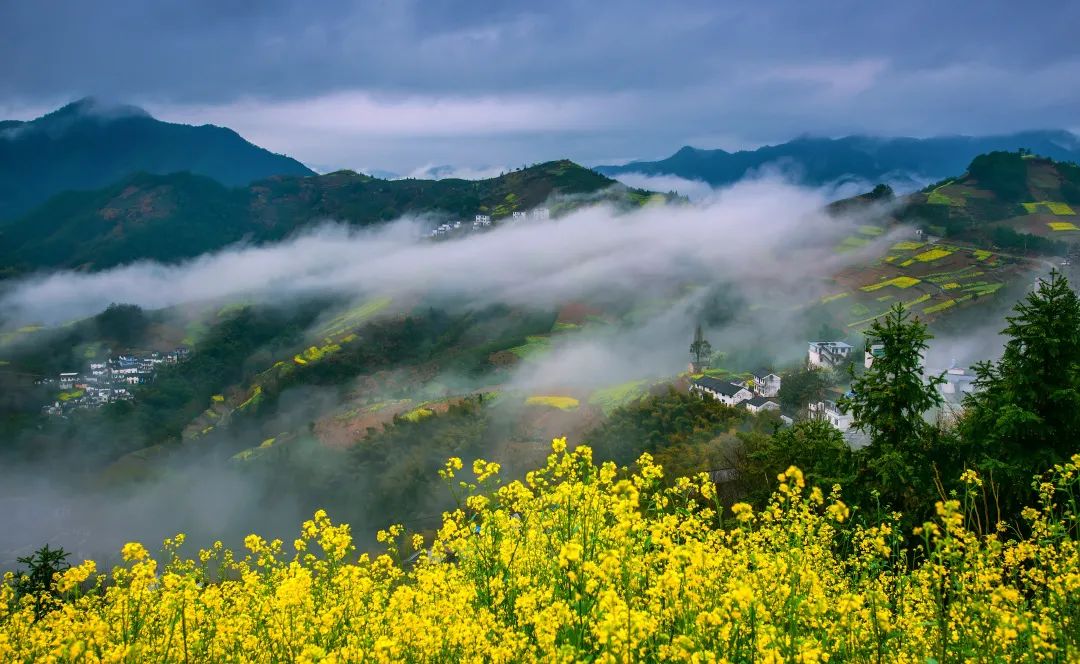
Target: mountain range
<point>89,144</point>
<point>94,185</point>
<point>907,162</point>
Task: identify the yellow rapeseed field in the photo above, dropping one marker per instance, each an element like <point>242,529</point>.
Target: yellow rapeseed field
<point>586,563</point>
<point>932,255</point>
<point>554,401</point>
<point>899,282</point>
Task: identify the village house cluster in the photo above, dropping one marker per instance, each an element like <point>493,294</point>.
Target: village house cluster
<point>104,382</point>
<point>756,394</point>
<point>482,222</point>
<point>759,392</point>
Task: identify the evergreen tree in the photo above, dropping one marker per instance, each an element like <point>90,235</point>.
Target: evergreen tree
<point>815,446</point>
<point>888,402</point>
<point>700,349</point>
<point>1025,413</point>
<point>38,581</point>
<point>803,385</point>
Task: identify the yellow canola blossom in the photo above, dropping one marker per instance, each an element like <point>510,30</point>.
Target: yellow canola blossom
<point>932,255</point>
<point>899,282</point>
<point>587,563</point>
<point>907,246</point>
<point>554,401</point>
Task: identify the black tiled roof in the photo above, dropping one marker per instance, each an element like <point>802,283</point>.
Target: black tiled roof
<point>720,386</point>
<point>758,402</point>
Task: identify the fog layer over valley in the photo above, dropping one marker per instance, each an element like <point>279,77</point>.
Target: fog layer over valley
<point>746,262</point>
<point>748,229</point>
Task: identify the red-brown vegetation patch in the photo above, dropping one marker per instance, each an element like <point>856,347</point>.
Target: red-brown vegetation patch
<point>577,313</point>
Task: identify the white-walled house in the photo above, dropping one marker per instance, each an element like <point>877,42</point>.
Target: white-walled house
<point>759,403</point>
<point>726,393</point>
<point>872,353</point>
<point>831,413</point>
<point>541,213</point>
<point>764,384</point>
<point>68,379</point>
<point>519,216</point>
<point>958,384</point>
<point>828,354</point>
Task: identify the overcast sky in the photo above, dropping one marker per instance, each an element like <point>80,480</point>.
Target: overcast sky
<point>401,85</point>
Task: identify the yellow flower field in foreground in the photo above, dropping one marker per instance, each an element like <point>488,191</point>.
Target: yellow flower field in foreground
<point>580,562</point>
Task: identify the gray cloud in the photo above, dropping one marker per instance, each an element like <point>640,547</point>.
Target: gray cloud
<point>357,83</point>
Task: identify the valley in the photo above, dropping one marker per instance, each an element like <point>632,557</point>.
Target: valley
<point>386,332</point>
<point>354,400</point>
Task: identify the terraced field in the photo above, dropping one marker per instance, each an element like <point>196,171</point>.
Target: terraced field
<point>534,346</point>
<point>1048,219</point>
<point>351,319</point>
<point>610,398</point>
<point>1053,207</point>
<point>928,279</point>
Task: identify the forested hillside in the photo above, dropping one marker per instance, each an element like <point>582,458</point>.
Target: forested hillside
<point>171,217</point>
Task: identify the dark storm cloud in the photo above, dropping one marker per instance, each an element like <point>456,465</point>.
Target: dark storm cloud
<point>353,83</point>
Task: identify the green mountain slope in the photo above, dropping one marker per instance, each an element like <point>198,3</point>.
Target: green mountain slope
<point>1003,194</point>
<point>87,144</point>
<point>982,233</point>
<point>177,216</point>
<point>817,161</point>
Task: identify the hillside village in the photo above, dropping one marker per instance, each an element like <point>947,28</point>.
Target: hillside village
<point>104,382</point>
<point>484,221</point>
<point>760,391</point>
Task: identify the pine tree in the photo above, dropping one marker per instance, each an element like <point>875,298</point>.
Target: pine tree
<point>700,349</point>
<point>888,402</point>
<point>1025,413</point>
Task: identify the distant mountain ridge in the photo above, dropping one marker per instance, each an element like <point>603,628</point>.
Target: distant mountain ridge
<point>819,161</point>
<point>181,215</point>
<point>89,144</point>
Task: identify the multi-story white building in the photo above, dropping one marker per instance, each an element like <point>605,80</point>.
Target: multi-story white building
<point>829,412</point>
<point>764,384</point>
<point>828,354</point>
